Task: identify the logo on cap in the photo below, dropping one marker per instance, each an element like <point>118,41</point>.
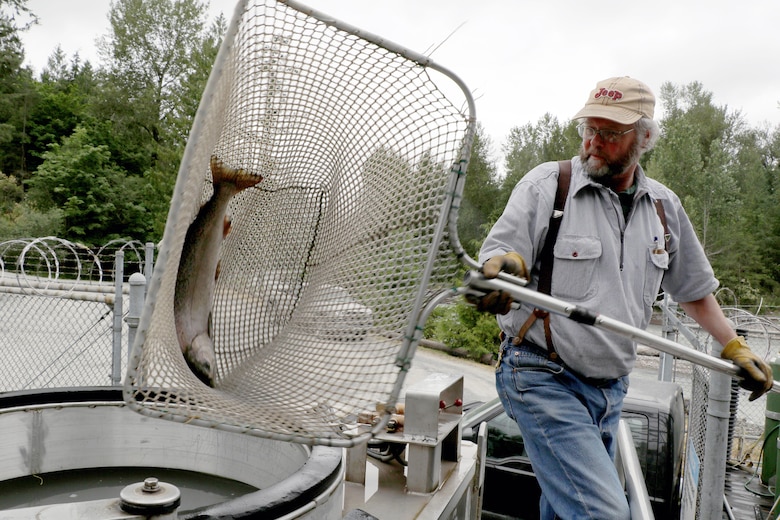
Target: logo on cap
<point>615,95</point>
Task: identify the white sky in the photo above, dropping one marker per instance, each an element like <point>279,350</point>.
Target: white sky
<point>522,58</point>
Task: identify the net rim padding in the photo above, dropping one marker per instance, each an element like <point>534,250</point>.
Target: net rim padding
<point>409,341</point>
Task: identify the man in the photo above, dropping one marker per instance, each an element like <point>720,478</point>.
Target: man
<point>564,382</point>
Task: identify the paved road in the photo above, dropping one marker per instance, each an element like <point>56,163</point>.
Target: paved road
<point>478,379</point>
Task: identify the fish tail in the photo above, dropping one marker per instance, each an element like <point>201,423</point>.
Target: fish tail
<point>242,179</point>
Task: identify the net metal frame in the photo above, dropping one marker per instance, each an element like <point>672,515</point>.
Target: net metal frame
<point>336,258</point>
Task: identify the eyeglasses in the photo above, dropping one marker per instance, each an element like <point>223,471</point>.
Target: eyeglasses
<point>609,136</point>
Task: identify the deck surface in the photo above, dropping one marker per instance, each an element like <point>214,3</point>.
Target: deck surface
<point>745,492</point>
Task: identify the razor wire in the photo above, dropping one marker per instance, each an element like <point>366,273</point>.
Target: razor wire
<point>57,301</point>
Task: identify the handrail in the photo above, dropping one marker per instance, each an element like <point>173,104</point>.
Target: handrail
<point>630,471</point>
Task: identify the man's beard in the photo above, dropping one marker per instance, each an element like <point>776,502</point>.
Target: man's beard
<point>613,168</point>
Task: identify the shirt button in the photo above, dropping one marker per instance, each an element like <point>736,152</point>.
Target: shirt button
<point>575,254</point>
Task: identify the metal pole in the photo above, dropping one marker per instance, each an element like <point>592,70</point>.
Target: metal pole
<point>666,361</point>
<point>137,293</point>
<point>116,358</point>
<point>771,426</point>
<point>716,443</point>
<point>149,262</point>
<point>630,471</point>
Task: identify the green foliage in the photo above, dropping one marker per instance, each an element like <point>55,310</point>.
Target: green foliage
<point>188,92</point>
<point>98,200</point>
<point>726,176</point>
<point>480,193</point>
<point>61,103</point>
<point>461,326</point>
<point>155,55</point>
<point>102,146</point>
<point>532,144</point>
<point>18,220</point>
<point>15,89</point>
<point>11,193</point>
<point>25,222</point>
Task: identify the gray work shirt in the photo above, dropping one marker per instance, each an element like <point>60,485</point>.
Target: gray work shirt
<point>603,262</point>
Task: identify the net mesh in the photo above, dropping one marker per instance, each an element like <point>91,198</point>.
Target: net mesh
<point>334,254</point>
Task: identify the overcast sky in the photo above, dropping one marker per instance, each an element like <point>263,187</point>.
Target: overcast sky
<point>522,58</point>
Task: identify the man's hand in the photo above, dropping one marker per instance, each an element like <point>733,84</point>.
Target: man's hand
<point>494,302</point>
<point>499,302</point>
<point>511,263</point>
<point>757,376</point>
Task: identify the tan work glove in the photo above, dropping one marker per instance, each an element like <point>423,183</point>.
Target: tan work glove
<point>757,376</point>
<point>511,263</point>
<point>499,302</point>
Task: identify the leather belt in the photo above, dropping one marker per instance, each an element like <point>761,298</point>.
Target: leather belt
<point>555,358</point>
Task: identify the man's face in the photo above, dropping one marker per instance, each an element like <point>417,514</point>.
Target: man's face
<point>603,158</point>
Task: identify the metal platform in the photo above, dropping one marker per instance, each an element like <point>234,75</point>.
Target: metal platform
<point>742,493</point>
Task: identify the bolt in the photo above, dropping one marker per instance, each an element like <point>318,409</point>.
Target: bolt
<point>151,485</point>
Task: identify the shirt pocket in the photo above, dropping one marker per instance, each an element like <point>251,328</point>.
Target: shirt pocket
<point>575,265</point>
<point>657,264</point>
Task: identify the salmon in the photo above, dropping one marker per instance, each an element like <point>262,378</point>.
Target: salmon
<point>198,270</point>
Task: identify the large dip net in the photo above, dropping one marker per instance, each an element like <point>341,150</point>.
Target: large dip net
<point>332,261</point>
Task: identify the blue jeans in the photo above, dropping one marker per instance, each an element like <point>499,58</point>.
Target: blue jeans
<point>569,427</point>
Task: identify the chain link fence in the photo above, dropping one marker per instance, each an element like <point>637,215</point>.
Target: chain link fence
<point>746,423</point>
<point>61,323</point>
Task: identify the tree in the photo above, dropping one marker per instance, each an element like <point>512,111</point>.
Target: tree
<point>23,221</point>
<point>757,266</point>
<point>99,202</point>
<point>149,57</point>
<point>695,158</point>
<point>188,92</point>
<point>62,98</point>
<point>530,145</point>
<point>158,58</point>
<point>710,160</point>
<point>11,193</point>
<point>15,87</point>
<point>480,194</point>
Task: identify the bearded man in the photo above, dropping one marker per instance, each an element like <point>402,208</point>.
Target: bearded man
<point>564,382</point>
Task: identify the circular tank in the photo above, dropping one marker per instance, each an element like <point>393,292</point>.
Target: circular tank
<point>85,444</point>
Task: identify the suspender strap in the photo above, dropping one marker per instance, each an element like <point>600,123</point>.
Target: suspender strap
<point>564,179</point>
<point>659,208</point>
<point>547,257</point>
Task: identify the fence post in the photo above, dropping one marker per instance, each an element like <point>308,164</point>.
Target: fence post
<point>666,361</point>
<point>149,262</point>
<point>137,294</point>
<point>116,358</point>
<point>716,442</point>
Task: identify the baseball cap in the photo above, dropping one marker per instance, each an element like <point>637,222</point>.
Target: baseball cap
<point>623,99</point>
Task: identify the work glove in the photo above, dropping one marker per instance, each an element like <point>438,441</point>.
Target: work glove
<point>756,374</point>
<point>511,263</point>
<point>499,302</point>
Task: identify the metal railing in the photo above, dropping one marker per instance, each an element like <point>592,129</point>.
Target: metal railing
<point>630,473</point>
